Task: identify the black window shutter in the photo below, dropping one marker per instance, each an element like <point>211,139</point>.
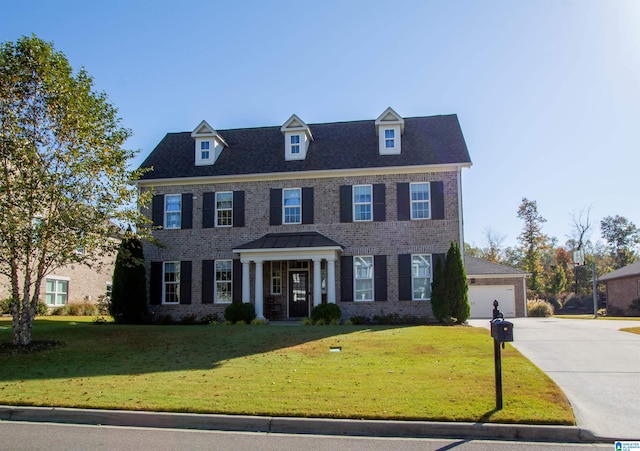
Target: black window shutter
<point>379,213</point>
<point>346,278</point>
<point>404,203</point>
<point>236,278</point>
<point>346,208</point>
<point>185,282</point>
<point>307,205</point>
<point>157,210</point>
<point>208,210</point>
<point>187,211</point>
<point>155,285</point>
<point>437,200</point>
<point>207,281</point>
<point>380,277</point>
<point>434,260</point>
<point>238,208</point>
<point>275,206</point>
<point>404,277</point>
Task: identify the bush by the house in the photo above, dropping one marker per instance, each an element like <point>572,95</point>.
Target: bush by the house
<point>5,308</point>
<point>239,311</point>
<point>129,289</point>
<point>539,308</point>
<point>359,319</point>
<point>327,312</point>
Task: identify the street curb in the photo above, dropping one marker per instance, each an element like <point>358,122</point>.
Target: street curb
<point>290,425</point>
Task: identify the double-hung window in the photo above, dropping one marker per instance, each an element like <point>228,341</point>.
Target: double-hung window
<point>420,201</point>
<point>224,209</point>
<point>223,271</point>
<point>421,276</point>
<point>172,211</point>
<point>295,144</point>
<point>363,278</point>
<point>292,206</point>
<point>389,138</point>
<point>56,291</point>
<point>362,202</point>
<point>204,150</point>
<point>171,283</point>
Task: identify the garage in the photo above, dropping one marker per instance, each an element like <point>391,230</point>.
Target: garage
<point>489,281</point>
<point>481,298</point>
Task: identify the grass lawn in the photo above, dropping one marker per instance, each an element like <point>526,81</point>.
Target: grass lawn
<point>608,318</point>
<point>633,330</point>
<point>421,372</point>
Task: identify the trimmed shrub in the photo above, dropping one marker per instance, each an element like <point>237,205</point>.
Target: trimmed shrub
<point>129,290</point>
<point>5,307</point>
<point>326,312</point>
<point>239,311</point>
<point>210,318</point>
<point>359,320</point>
<point>539,308</point>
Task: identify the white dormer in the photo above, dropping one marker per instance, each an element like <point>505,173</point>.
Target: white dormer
<point>389,129</point>
<point>208,144</point>
<point>297,137</point>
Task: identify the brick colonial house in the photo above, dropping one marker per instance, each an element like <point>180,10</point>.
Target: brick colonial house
<point>623,288</point>
<point>287,217</point>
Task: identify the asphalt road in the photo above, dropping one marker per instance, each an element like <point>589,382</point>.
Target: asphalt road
<point>596,365</point>
<point>18,436</point>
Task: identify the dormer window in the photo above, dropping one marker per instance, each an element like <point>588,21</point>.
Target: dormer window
<point>389,138</point>
<point>208,144</point>
<point>204,150</point>
<point>389,129</point>
<point>297,137</point>
<point>295,144</point>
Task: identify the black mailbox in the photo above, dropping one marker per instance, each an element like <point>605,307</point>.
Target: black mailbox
<point>502,330</point>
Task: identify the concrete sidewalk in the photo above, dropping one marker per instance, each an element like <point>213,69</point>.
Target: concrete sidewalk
<point>596,365</point>
<point>319,426</point>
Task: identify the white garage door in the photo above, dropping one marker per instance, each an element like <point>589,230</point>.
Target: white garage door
<point>481,298</point>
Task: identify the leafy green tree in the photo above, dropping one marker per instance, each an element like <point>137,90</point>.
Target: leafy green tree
<point>533,242</point>
<point>622,237</point>
<point>63,172</point>
<point>129,291</point>
<point>439,303</point>
<point>456,288</point>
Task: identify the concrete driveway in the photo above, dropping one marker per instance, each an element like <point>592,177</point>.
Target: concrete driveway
<point>596,365</point>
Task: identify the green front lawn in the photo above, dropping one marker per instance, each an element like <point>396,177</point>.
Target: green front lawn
<point>422,372</point>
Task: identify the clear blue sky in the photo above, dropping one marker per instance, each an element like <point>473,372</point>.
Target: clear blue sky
<point>547,91</point>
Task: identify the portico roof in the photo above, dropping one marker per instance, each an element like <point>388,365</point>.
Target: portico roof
<point>289,240</point>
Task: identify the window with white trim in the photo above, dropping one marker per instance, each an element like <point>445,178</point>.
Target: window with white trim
<point>292,206</point>
<point>224,209</point>
<point>389,138</point>
<point>172,211</point>
<point>362,202</point>
<point>171,283</point>
<point>276,278</point>
<point>420,201</point>
<point>363,278</point>
<point>204,150</point>
<point>295,144</point>
<point>223,271</point>
<point>421,276</point>
<point>56,291</point>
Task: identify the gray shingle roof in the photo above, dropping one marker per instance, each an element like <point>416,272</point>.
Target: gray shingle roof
<point>478,267</point>
<point>628,271</point>
<point>289,240</point>
<point>339,145</point>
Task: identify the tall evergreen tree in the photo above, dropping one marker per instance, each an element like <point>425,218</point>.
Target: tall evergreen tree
<point>439,303</point>
<point>129,290</point>
<point>533,241</point>
<point>456,287</point>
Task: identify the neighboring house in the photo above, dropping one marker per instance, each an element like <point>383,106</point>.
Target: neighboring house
<point>490,281</point>
<point>623,288</point>
<point>73,284</point>
<point>290,216</point>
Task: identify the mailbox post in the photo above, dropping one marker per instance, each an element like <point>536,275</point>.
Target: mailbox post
<point>501,331</point>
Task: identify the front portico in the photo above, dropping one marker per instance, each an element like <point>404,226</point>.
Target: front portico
<point>289,247</point>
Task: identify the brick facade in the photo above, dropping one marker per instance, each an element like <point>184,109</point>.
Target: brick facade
<point>621,292</point>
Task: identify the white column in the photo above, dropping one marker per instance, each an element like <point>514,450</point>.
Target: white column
<point>246,282</point>
<point>331,280</point>
<point>317,282</point>
<point>259,298</point>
